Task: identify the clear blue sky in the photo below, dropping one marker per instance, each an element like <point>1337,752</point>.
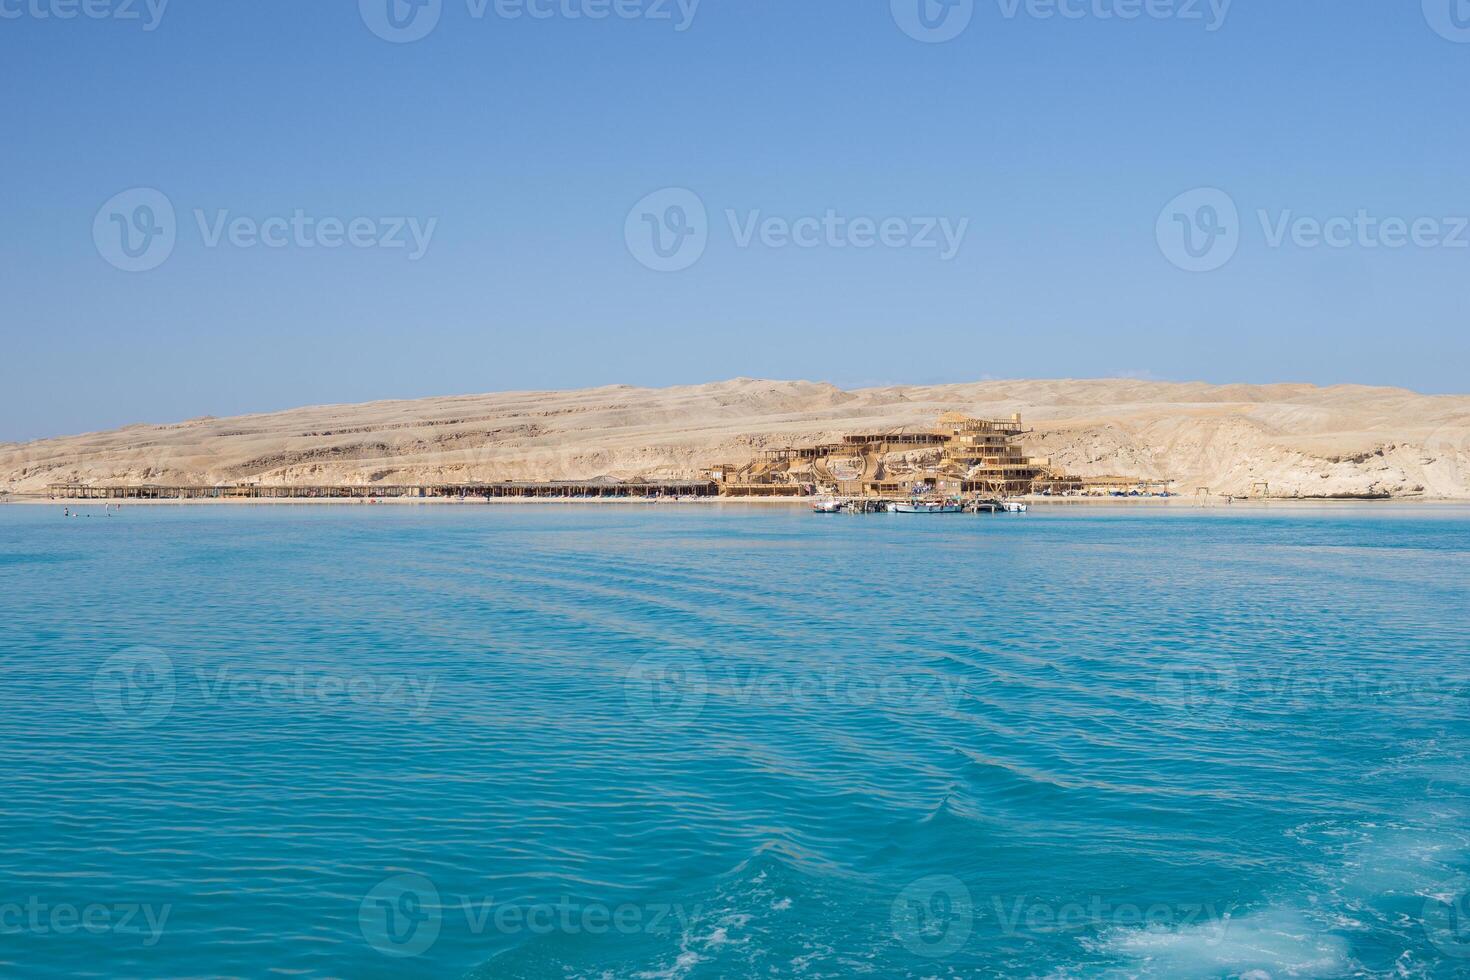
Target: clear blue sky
<point>1059,139</point>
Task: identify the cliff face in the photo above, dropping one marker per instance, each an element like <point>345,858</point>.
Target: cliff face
<point>1345,440</point>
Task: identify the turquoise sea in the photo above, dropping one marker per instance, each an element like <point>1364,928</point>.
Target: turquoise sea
<point>705,741</point>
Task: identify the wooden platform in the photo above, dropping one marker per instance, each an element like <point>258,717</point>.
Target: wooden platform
<point>555,489</point>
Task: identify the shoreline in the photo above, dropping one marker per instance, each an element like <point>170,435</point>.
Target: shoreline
<point>31,500</point>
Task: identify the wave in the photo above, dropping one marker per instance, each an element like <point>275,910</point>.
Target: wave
<point>782,909</point>
<point>1260,946</point>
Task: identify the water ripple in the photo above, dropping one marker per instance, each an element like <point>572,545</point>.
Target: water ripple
<point>705,742</point>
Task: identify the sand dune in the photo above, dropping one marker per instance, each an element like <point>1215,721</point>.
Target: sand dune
<point>1300,438</point>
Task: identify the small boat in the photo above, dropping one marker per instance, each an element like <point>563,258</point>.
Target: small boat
<point>827,507</point>
<point>925,507</point>
<point>1014,507</point>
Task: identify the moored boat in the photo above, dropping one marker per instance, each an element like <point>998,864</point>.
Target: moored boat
<point>925,507</point>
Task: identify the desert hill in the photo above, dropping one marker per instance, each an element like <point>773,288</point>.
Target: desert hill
<point>1300,438</point>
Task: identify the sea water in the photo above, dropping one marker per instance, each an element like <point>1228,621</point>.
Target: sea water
<point>718,741</point>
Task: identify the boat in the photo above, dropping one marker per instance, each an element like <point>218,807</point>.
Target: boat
<point>1014,507</point>
<point>925,507</point>
<point>827,507</point>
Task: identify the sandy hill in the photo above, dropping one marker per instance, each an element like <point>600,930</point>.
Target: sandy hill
<point>1301,438</point>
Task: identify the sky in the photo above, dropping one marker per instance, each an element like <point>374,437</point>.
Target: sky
<point>220,208</point>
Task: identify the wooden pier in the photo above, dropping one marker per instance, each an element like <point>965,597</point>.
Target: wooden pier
<point>559,490</point>
<point>879,505</point>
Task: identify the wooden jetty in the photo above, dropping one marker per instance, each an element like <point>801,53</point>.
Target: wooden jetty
<point>561,490</point>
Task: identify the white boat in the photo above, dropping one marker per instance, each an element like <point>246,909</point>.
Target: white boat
<point>1014,507</point>
<point>827,507</point>
<point>925,507</point>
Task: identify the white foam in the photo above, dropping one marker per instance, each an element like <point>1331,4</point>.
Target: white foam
<point>1264,946</point>
<point>1403,862</point>
<point>686,962</point>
